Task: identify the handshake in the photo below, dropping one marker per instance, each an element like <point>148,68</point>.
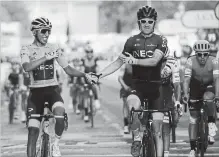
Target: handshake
<point>92,77</point>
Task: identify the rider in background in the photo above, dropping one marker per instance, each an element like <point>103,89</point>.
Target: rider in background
<point>76,87</point>
<point>15,82</point>
<point>201,82</point>
<point>89,62</point>
<point>186,52</point>
<point>126,81</point>
<point>171,90</point>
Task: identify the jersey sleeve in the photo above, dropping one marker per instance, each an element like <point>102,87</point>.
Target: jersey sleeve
<point>24,54</point>
<point>215,67</point>
<point>162,45</point>
<point>127,47</point>
<point>188,68</point>
<point>175,72</point>
<point>62,59</point>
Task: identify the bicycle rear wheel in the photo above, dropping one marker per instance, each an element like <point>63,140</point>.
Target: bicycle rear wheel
<point>148,148</point>
<point>45,146</point>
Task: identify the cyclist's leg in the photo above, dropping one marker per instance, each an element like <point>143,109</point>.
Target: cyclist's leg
<point>167,96</point>
<point>123,95</point>
<point>57,107</point>
<point>209,95</point>
<point>35,106</point>
<point>157,103</point>
<point>11,106</point>
<point>133,100</point>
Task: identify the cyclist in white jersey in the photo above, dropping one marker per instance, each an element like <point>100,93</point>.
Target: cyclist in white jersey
<point>39,60</point>
<point>170,87</point>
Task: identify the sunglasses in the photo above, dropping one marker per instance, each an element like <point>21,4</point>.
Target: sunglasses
<point>202,54</point>
<point>145,21</point>
<point>44,30</point>
<point>89,51</point>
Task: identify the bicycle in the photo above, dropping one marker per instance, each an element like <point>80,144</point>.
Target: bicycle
<point>148,141</point>
<point>45,137</point>
<point>88,102</point>
<point>202,140</point>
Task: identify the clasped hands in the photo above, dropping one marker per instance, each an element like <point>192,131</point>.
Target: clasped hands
<point>93,78</point>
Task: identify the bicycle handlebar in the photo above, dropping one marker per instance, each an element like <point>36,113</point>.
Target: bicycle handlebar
<point>199,100</point>
<point>46,115</point>
<point>161,110</point>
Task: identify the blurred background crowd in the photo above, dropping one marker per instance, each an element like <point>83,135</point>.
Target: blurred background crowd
<point>105,25</point>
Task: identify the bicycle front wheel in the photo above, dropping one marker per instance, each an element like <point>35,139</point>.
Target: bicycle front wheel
<point>45,146</point>
<point>203,135</point>
<point>149,149</point>
<point>91,111</point>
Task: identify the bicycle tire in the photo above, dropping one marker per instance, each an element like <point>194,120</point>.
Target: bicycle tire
<point>45,146</point>
<point>202,137</point>
<point>148,148</point>
<point>91,111</point>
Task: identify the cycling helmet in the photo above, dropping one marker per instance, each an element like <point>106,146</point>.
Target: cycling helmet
<point>202,45</point>
<point>145,12</point>
<point>40,22</point>
<point>88,49</point>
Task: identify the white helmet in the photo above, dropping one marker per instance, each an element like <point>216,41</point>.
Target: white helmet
<point>202,45</point>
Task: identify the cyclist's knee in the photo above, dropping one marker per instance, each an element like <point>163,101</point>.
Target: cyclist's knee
<point>33,123</point>
<point>58,108</point>
<point>133,101</point>
<point>208,95</point>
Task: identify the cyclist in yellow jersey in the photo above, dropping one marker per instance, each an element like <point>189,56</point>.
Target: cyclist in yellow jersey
<point>170,87</point>
<point>201,82</point>
<point>39,60</point>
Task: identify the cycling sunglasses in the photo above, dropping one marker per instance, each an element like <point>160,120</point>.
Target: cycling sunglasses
<point>202,54</point>
<point>44,30</point>
<point>145,21</point>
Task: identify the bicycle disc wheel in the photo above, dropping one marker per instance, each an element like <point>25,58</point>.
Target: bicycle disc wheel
<point>149,149</point>
<point>45,146</point>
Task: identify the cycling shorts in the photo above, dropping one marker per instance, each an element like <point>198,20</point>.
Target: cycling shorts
<point>38,97</point>
<point>154,98</point>
<point>197,92</point>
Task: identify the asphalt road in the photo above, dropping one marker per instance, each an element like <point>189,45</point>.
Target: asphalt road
<point>105,139</point>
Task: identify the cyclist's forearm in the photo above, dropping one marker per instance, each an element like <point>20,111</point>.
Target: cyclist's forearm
<point>73,72</point>
<point>177,91</point>
<point>217,87</point>
<point>186,84</point>
<point>111,68</point>
<point>33,64</point>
